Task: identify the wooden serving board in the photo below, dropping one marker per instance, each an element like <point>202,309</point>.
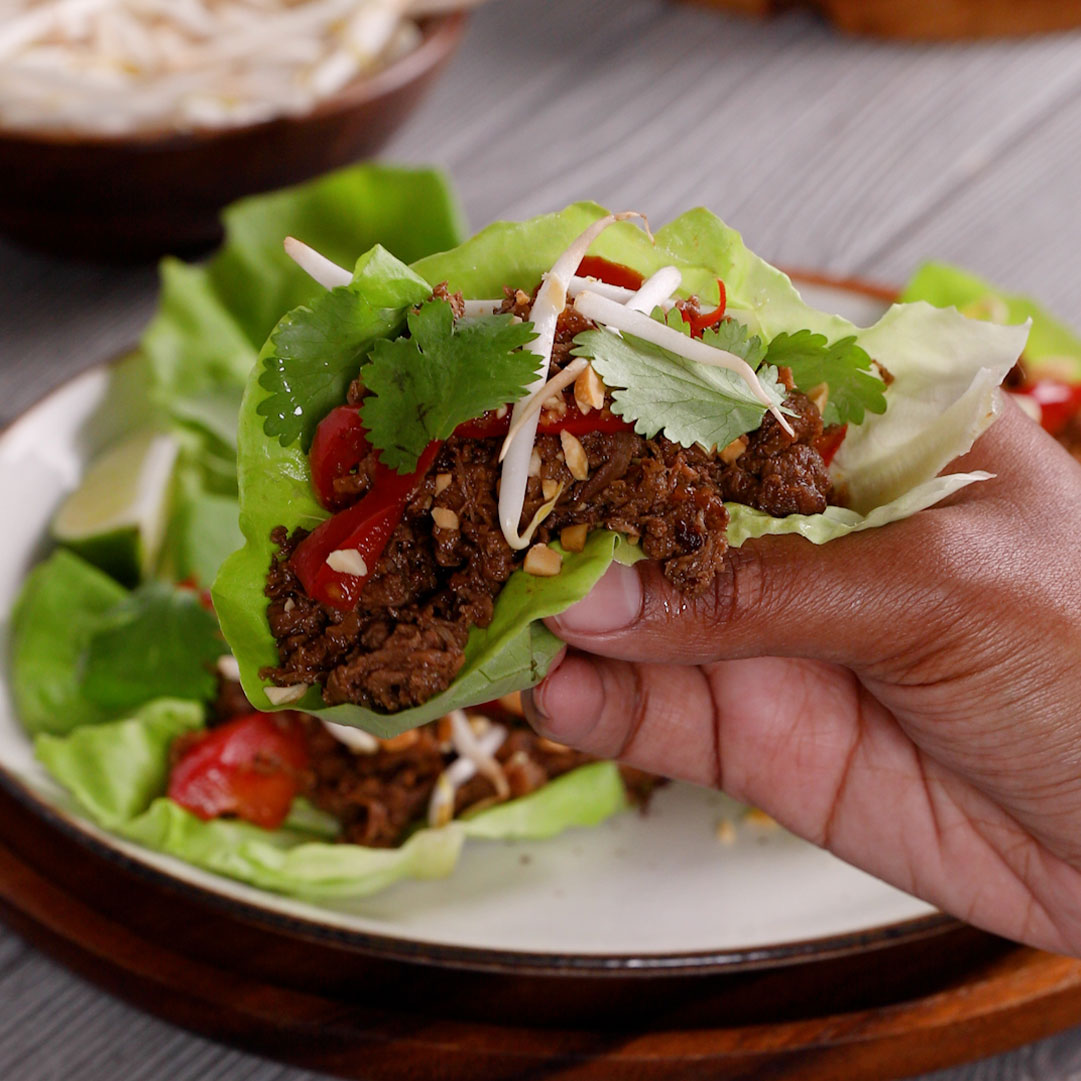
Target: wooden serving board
<point>954,995</point>
<point>927,18</point>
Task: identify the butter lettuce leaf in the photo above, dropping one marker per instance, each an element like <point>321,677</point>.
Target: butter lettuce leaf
<point>945,373</point>
<point>157,642</point>
<point>84,649</point>
<point>1052,346</point>
<point>62,605</point>
<point>317,350</point>
<point>118,772</point>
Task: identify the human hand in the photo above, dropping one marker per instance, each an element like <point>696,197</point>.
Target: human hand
<point>909,698</point>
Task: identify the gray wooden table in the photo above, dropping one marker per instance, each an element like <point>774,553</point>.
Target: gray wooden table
<point>850,156</point>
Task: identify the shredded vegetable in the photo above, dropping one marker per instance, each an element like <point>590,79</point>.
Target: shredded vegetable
<point>318,267</point>
<point>549,304</point>
<point>113,67</point>
<point>617,316</point>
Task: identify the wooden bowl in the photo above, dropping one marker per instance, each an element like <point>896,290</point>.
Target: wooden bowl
<point>927,19</point>
<point>132,197</point>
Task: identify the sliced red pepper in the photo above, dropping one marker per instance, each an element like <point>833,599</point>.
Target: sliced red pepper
<point>248,768</point>
<point>1058,401</point>
<point>593,266</point>
<point>490,426</point>
<point>578,423</point>
<point>829,442</point>
<point>340,445</point>
<point>704,320</point>
<point>365,528</point>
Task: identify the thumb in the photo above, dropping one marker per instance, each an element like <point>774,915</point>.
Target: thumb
<point>778,596</point>
<point>871,601</point>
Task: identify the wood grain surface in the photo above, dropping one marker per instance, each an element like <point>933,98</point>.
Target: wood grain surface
<point>951,995</point>
<point>856,156</point>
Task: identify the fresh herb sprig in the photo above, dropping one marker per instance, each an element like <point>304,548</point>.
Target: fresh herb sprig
<point>443,374</point>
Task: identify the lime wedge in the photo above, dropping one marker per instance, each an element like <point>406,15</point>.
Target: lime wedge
<point>116,518</point>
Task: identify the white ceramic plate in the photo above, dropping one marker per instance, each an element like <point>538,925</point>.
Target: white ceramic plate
<point>639,892</point>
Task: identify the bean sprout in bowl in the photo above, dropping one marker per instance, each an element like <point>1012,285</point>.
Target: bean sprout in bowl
<point>131,175</point>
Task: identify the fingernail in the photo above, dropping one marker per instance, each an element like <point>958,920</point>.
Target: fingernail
<point>567,704</point>
<point>536,716</point>
<point>614,603</point>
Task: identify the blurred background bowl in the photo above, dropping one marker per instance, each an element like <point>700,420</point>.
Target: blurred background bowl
<point>133,197</point>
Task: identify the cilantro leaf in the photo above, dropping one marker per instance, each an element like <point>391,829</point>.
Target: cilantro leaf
<point>732,336</point>
<point>692,403</point>
<point>315,351</point>
<point>159,642</point>
<point>844,366</point>
<point>443,374</point>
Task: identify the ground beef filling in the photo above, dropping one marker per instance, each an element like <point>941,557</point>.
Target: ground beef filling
<point>378,798</point>
<point>404,642</point>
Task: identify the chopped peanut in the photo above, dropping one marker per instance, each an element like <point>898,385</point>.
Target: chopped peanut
<point>575,455</point>
<point>282,696</point>
<point>443,729</point>
<point>726,832</point>
<point>401,742</point>
<point>444,517</point>
<point>442,482</point>
<point>734,450</point>
<point>542,561</point>
<point>549,488</point>
<point>512,703</point>
<point>347,561</point>
<point>535,463</point>
<point>573,538</point>
<point>588,390</point>
<point>753,816</point>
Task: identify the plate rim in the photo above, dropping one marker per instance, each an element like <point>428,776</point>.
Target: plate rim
<point>477,958</point>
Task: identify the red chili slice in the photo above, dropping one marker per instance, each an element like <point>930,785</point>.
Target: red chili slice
<point>829,442</point>
<point>1058,401</point>
<point>490,426</point>
<point>593,266</point>
<point>364,528</point>
<point>704,320</point>
<point>578,423</point>
<point>248,767</point>
<point>340,444</point>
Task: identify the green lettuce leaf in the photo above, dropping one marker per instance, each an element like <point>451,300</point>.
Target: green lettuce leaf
<point>1052,346</point>
<point>203,532</point>
<point>115,770</point>
<point>945,371</point>
<point>584,797</point>
<point>213,318</point>
<point>84,649</point>
<point>158,642</point>
<point>118,773</point>
<point>63,603</point>
<point>332,337</point>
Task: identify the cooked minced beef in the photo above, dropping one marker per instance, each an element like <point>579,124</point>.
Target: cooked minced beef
<point>404,642</point>
<point>379,797</point>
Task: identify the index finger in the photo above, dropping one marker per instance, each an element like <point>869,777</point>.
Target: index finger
<point>859,600</point>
